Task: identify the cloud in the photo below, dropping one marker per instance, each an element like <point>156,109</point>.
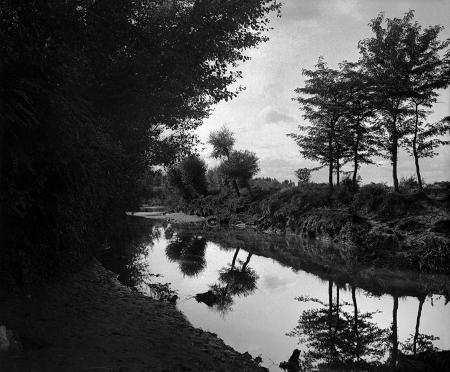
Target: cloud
<point>262,115</point>
<point>272,282</point>
<point>269,115</point>
<point>301,10</point>
<point>273,166</point>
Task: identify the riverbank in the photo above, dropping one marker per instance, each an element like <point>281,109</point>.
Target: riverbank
<point>91,322</point>
<point>371,226</point>
<point>317,258</point>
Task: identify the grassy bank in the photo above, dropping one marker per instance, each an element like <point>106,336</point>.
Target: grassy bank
<point>371,224</point>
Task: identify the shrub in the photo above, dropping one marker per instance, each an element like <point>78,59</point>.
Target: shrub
<point>345,192</point>
<point>408,184</point>
<point>241,165</point>
<point>188,178</point>
<point>303,175</point>
<point>175,181</point>
<point>193,174</point>
<point>370,197</point>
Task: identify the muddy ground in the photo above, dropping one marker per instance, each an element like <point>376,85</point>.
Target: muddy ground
<point>91,322</point>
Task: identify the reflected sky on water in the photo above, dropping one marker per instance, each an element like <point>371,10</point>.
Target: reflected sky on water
<point>253,304</point>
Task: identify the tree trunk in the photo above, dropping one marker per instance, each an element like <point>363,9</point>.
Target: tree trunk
<point>236,188</point>
<point>415,153</point>
<point>394,153</point>
<point>247,261</point>
<point>355,325</point>
<point>338,170</point>
<point>419,314</point>
<point>336,325</point>
<point>249,188</point>
<point>355,161</point>
<point>330,317</point>
<point>2,128</point>
<point>394,333</point>
<point>330,160</point>
<point>337,302</point>
<point>234,258</point>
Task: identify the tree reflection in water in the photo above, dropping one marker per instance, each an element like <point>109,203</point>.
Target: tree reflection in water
<point>419,342</point>
<point>189,252</point>
<point>232,281</point>
<point>336,337</point>
<point>128,250</point>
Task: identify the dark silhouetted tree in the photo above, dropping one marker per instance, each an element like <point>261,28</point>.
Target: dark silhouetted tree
<point>321,100</point>
<point>336,337</point>
<point>426,138</point>
<point>222,142</point>
<point>359,136</point>
<point>303,175</point>
<point>93,94</point>
<point>189,252</point>
<point>193,173</point>
<point>385,60</point>
<point>428,67</point>
<point>241,165</point>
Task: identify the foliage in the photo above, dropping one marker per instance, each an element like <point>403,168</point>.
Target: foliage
<point>188,177</point>
<point>214,178</point>
<point>424,343</point>
<point>175,181</point>
<point>371,196</point>
<point>193,174</point>
<point>222,142</point>
<point>408,183</point>
<point>320,99</point>
<point>95,93</point>
<point>402,64</point>
<point>242,165</point>
<point>335,336</point>
<point>303,175</point>
<point>427,138</point>
<point>374,106</point>
<point>189,252</point>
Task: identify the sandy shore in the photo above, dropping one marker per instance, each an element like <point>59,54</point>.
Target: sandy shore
<point>159,212</point>
<point>91,322</point>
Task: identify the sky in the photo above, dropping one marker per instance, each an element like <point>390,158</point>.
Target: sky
<point>264,113</point>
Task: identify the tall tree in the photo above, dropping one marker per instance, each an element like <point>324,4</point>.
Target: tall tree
<point>429,70</point>
<point>385,60</point>
<point>95,92</point>
<point>222,142</point>
<point>193,171</point>
<point>321,100</point>
<point>425,139</point>
<point>241,165</point>
<point>359,135</point>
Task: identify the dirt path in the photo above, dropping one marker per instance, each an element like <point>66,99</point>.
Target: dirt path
<point>91,322</point>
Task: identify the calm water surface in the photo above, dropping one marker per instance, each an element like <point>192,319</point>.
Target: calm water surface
<point>258,305</point>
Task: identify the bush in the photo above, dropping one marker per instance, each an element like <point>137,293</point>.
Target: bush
<point>175,181</point>
<point>241,165</point>
<point>188,178</point>
<point>193,174</point>
<point>344,193</point>
<point>303,175</point>
<point>408,184</point>
<point>370,197</point>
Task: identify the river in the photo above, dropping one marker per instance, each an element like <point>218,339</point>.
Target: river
<point>264,306</point>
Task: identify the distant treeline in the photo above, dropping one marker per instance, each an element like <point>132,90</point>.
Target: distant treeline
<point>378,104</point>
<point>93,94</point>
